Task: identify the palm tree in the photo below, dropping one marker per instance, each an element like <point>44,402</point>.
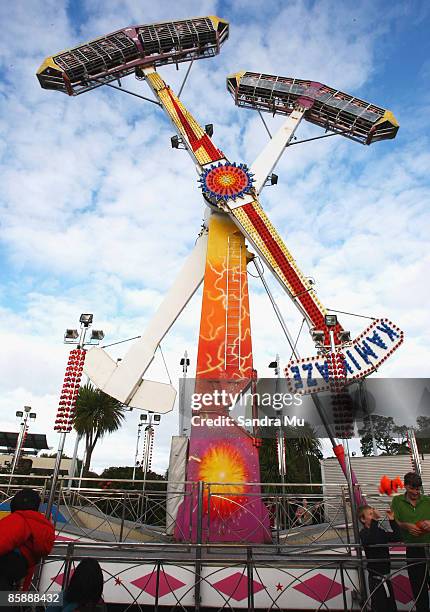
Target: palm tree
<point>96,415</point>
<point>303,452</point>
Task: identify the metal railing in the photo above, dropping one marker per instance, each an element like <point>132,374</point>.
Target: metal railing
<point>124,523</point>
<point>229,576</point>
<point>122,510</point>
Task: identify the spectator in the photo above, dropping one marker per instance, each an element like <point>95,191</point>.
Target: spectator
<point>26,536</point>
<point>412,513</point>
<point>373,537</point>
<point>303,516</point>
<point>85,588</point>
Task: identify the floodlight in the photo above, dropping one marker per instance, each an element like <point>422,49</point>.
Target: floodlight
<point>19,413</point>
<point>184,361</point>
<point>174,141</point>
<point>209,129</point>
<point>272,179</point>
<point>33,416</point>
<point>157,418</point>
<point>71,334</point>
<point>86,319</point>
<point>97,334</point>
<point>330,320</point>
<point>317,335</point>
<point>345,336</point>
<point>273,364</point>
<point>143,417</point>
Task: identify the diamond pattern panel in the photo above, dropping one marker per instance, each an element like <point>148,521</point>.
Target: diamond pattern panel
<point>236,586</point>
<point>166,584</point>
<point>320,587</point>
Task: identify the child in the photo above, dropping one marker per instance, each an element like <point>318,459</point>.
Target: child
<point>378,557</point>
<point>84,590</point>
<point>26,536</point>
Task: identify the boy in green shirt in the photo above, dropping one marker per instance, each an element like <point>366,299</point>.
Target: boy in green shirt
<point>412,514</point>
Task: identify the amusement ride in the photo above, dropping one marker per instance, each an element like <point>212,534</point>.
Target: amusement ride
<point>236,231</point>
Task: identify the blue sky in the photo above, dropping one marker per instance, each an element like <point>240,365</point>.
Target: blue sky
<point>97,212</point>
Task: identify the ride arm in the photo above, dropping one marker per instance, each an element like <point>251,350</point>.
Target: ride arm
<point>265,163</point>
<point>198,144</point>
<point>123,380</point>
<point>247,212</point>
<point>250,217</point>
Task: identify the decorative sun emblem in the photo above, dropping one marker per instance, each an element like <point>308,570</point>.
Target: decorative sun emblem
<point>223,464</point>
<point>225,181</point>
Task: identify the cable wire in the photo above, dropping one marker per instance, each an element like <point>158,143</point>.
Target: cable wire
<point>352,314</point>
<point>120,342</point>
<point>132,93</point>
<point>185,78</point>
<point>264,123</point>
<point>297,339</point>
<point>275,306</point>
<point>165,364</point>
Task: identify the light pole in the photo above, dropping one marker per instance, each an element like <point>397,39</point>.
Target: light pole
<point>72,468</point>
<point>139,428</point>
<point>185,362</point>
<point>149,419</point>
<point>282,463</point>
<point>70,390</point>
<point>24,415</point>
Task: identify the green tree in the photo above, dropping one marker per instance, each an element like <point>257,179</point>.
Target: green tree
<point>422,434</point>
<point>126,472</point>
<point>384,432</point>
<point>97,414</point>
<point>303,452</point>
<point>269,470</point>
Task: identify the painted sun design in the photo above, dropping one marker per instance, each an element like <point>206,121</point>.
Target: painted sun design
<point>223,181</point>
<point>220,464</point>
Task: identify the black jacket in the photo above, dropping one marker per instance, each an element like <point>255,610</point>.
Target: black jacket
<point>378,557</point>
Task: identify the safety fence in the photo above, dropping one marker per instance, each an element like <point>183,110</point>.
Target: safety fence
<point>229,577</point>
<point>311,558</point>
<point>134,511</point>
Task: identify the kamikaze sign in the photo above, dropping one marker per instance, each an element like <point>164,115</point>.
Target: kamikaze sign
<point>365,354</point>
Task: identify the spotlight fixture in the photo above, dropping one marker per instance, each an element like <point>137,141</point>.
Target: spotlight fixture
<point>175,142</point>
<point>345,336</point>
<point>86,319</point>
<point>330,320</point>
<point>184,361</point>
<point>272,179</point>
<point>157,418</point>
<point>209,129</point>
<point>71,334</point>
<point>273,364</point>
<point>317,335</point>
<point>33,416</point>
<point>97,334</point>
<point>144,417</point>
<point>19,413</point>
